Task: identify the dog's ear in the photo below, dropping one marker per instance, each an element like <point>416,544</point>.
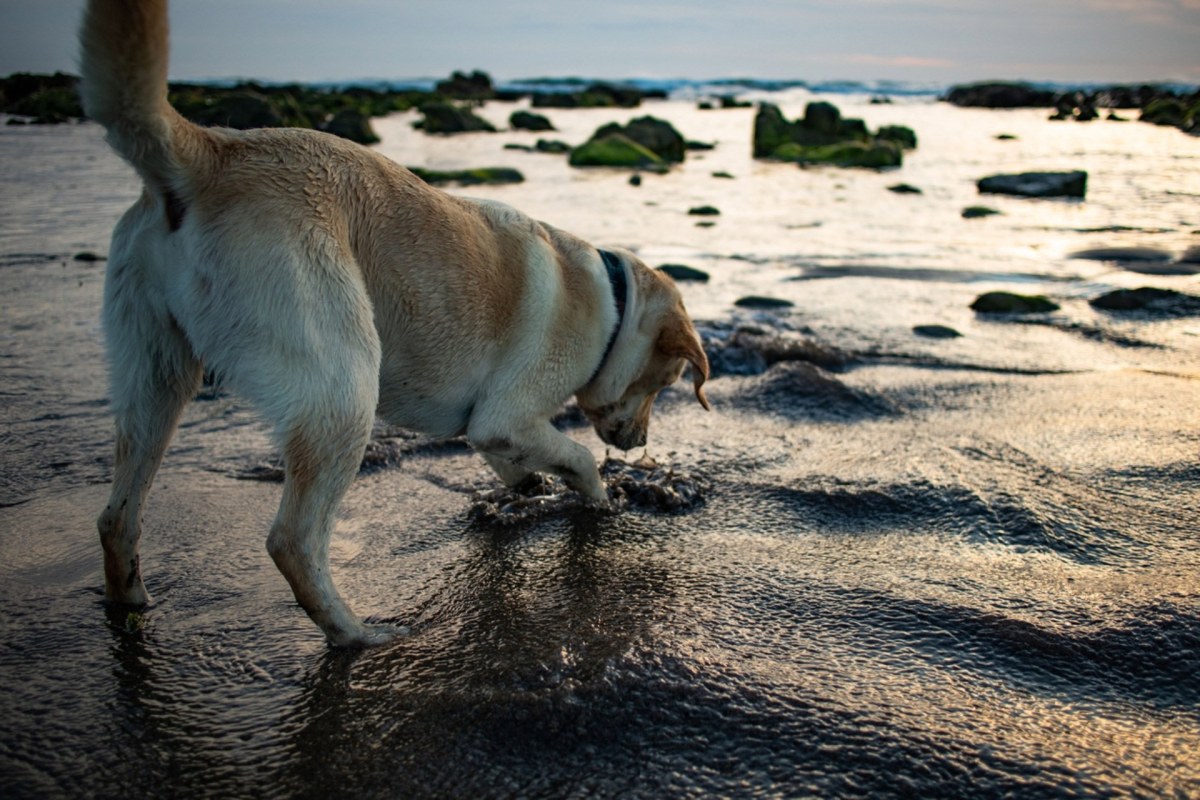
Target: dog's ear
<point>679,339</point>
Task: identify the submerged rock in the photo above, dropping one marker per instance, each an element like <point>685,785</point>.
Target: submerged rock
<point>904,188</point>
<point>1164,302</point>
<point>681,272</point>
<point>1123,254</point>
<point>757,301</point>
<point>1037,184</point>
<point>1009,303</point>
<point>704,211</point>
<point>936,332</point>
<point>975,212</point>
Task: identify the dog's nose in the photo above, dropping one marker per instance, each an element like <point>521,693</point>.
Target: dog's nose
<point>629,437</point>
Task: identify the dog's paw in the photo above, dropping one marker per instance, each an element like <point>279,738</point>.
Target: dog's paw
<point>371,635</point>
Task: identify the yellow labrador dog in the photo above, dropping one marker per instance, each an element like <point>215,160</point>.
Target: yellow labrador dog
<point>328,285</point>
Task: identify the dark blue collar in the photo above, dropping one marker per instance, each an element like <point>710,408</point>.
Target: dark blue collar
<point>620,289</point>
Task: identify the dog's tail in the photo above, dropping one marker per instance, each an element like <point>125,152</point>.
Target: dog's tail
<point>124,66</point>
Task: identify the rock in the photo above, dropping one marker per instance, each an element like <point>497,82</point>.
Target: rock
<point>470,177</point>
<point>597,95</point>
<point>822,117</point>
<point>1191,255</point>
<point>88,257</point>
<point>771,130</point>
<point>1037,184</point>
<point>706,224</point>
<point>704,211</point>
<point>901,135</point>
<point>999,95</point>
<point>48,99</point>
<point>904,188</point>
<point>527,121</point>
<point>764,303</point>
<point>242,110</point>
<point>879,154</point>
<point>1006,137</point>
<point>635,180</point>
<point>1009,303</point>
<point>1124,254</point>
<point>552,146</point>
<point>681,272</point>
<point>699,147</point>
<point>1165,302</point>
<point>725,175</point>
<point>975,212</point>
<point>822,136</point>
<point>449,118</point>
<point>656,135</point>
<point>476,86</point>
<point>1164,111</point>
<point>614,150</point>
<point>936,332</point>
<point>352,124</point>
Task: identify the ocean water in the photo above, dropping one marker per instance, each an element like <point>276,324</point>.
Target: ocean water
<point>917,566</point>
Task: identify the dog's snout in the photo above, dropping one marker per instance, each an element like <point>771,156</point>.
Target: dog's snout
<point>626,435</point>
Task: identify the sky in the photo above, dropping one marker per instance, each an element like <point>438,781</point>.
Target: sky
<point>938,41</point>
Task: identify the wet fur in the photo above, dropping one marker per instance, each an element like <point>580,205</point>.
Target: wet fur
<point>327,285</point>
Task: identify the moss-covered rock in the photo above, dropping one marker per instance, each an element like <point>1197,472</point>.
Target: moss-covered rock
<point>1009,303</point>
<point>901,135</point>
<point>460,85</point>
<point>49,106</point>
<point>352,124</point>
<point>527,121</point>
<point>469,177</point>
<point>874,155</point>
<point>442,117</point>
<point>614,150</point>
<point>47,99</point>
<point>822,136</point>
<point>656,135</point>
<point>771,130</point>
<point>596,95</point>
<point>1164,111</point>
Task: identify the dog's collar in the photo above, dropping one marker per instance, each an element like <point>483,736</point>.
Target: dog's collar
<point>620,289</point>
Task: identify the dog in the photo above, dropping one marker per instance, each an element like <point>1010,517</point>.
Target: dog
<point>328,286</point>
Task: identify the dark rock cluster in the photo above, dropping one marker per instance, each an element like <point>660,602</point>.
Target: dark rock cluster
<point>1158,105</point>
<point>823,136</point>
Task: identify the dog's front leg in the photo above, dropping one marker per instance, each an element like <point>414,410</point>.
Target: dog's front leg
<point>510,473</point>
<point>537,447</point>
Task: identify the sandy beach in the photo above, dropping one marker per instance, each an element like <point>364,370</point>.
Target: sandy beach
<point>915,565</point>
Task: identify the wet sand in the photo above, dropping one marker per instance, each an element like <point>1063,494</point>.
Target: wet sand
<point>936,568</point>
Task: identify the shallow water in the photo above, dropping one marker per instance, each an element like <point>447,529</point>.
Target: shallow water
<point>960,567</point>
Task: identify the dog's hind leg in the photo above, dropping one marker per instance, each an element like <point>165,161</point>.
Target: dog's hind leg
<point>320,462</point>
<point>324,430</point>
<point>153,376</point>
